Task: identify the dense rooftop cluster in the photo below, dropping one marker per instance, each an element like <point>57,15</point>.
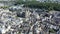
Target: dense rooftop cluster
<point>8,20</point>
<point>24,20</point>
<point>29,17</point>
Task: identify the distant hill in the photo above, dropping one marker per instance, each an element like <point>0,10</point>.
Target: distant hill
<point>42,0</point>
<point>7,2</point>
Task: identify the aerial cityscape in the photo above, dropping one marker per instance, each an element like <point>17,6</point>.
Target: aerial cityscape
<point>29,16</point>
